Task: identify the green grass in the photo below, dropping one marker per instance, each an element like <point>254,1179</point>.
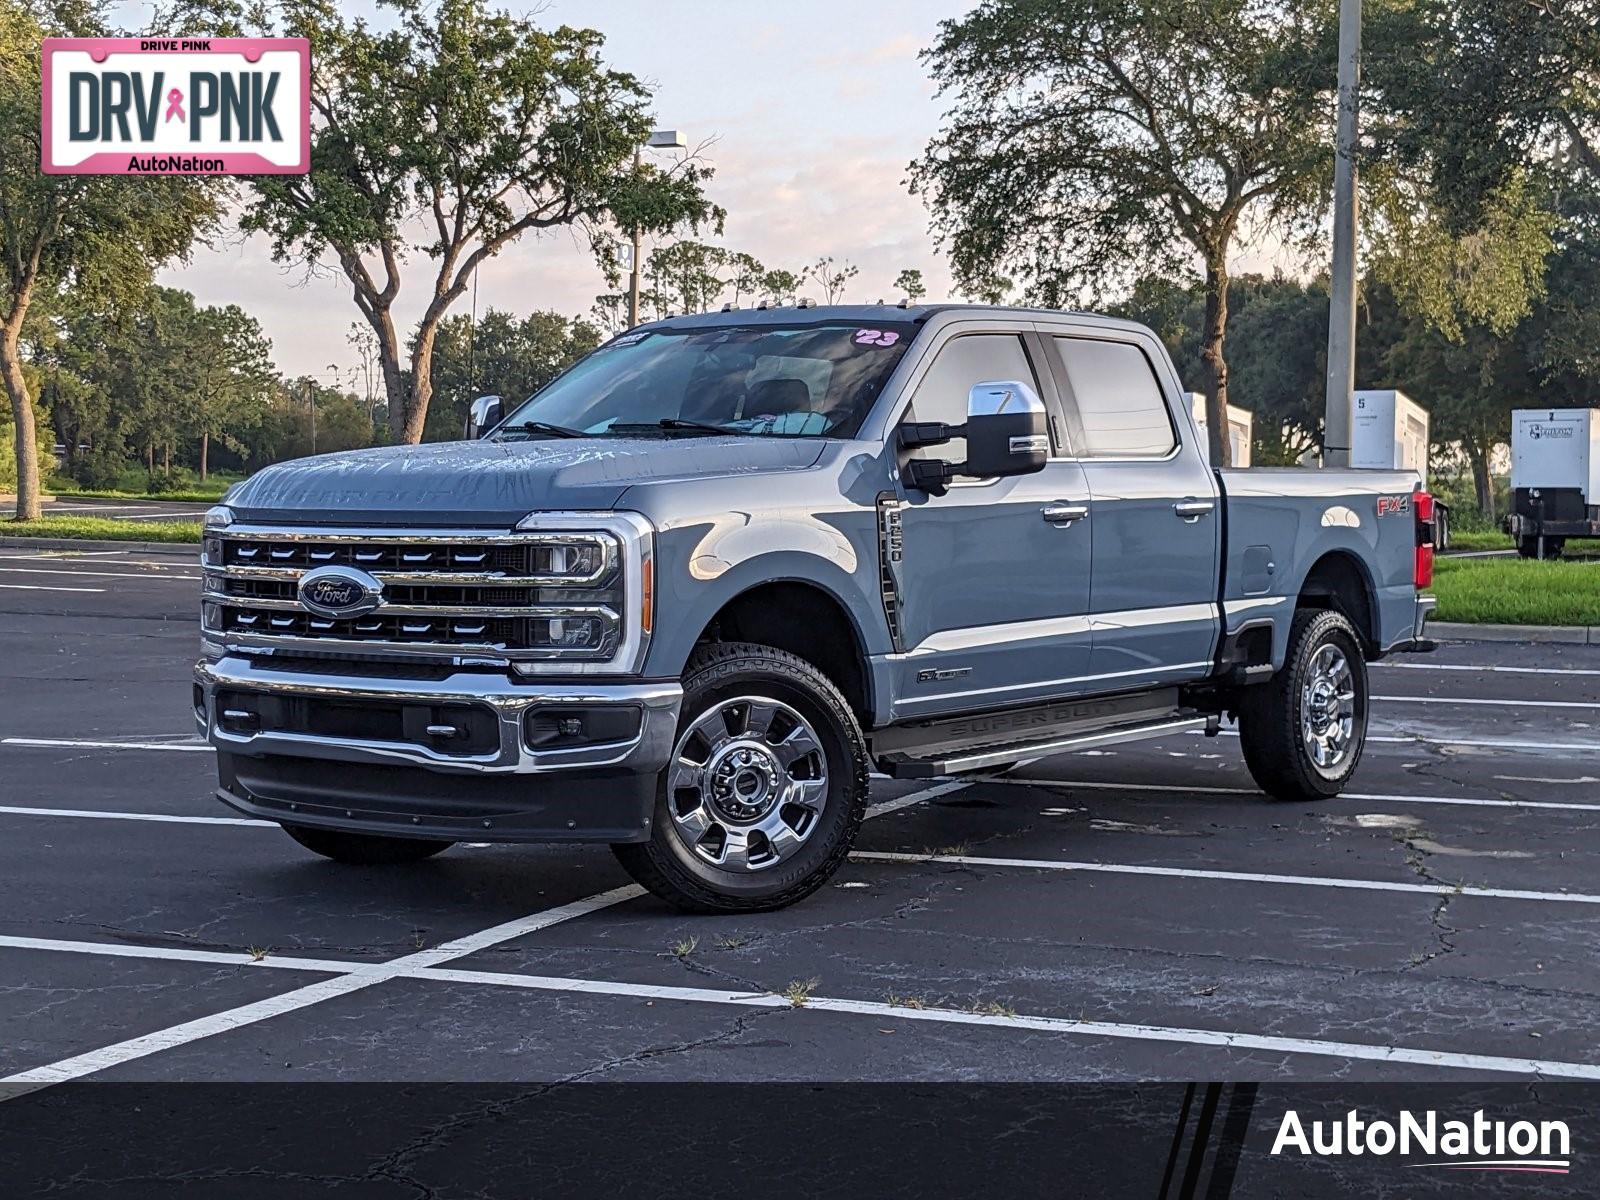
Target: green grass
<point>103,529</point>
<point>1482,539</point>
<point>1515,591</point>
<point>133,486</point>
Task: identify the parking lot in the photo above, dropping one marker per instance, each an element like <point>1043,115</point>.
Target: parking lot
<point>1131,914</point>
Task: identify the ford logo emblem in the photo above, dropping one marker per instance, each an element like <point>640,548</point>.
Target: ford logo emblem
<point>339,592</point>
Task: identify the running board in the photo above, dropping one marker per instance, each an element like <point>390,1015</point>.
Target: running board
<point>978,758</point>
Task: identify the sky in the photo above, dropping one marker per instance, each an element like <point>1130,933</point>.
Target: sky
<point>813,111</point>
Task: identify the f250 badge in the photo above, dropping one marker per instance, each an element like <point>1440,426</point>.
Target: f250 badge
<point>1389,506</point>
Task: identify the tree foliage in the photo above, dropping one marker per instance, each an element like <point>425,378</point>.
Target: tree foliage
<point>447,138</point>
<point>504,356</point>
<point>100,236</point>
<point>1089,141</point>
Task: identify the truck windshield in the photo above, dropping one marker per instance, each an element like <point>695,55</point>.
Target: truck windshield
<point>801,381</point>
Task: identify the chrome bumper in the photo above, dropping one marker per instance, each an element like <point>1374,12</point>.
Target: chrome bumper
<point>647,753</point>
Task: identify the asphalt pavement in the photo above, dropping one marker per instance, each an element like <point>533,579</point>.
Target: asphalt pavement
<point>1136,913</point>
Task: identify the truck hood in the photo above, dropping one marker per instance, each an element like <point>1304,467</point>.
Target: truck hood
<point>496,483</point>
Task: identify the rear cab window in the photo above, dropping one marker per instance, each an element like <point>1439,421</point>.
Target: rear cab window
<point>1119,403</point>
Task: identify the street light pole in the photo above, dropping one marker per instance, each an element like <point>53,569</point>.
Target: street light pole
<point>660,139</point>
<point>1342,309</point>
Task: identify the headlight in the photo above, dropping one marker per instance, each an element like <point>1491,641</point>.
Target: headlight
<point>218,517</point>
<point>591,609</point>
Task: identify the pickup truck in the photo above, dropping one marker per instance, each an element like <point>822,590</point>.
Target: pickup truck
<point>685,599</point>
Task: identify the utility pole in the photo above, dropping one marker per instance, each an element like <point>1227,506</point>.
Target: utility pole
<point>1342,310</point>
<point>311,402</point>
<point>661,139</point>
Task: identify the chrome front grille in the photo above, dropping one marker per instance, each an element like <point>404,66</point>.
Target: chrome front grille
<point>499,597</point>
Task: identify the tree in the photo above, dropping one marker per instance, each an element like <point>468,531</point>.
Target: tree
<point>832,277</point>
<point>487,126</point>
<point>232,373</point>
<point>99,234</point>
<point>687,277</point>
<point>502,357</point>
<point>779,286</point>
<point>1092,139</point>
<point>909,284</point>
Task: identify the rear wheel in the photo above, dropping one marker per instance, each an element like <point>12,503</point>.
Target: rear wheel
<point>364,849</point>
<point>1303,731</point>
<point>766,788</point>
<point>1528,547</point>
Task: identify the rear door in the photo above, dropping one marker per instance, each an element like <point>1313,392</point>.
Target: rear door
<point>1154,508</point>
<point>993,577</point>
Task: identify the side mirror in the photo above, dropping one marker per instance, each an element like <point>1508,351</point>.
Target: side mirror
<point>483,415</point>
<point>1006,432</point>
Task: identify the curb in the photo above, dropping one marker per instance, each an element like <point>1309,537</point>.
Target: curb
<point>176,549</point>
<point>1572,635</point>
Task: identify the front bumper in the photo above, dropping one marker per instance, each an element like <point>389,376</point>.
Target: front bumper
<point>364,753</point>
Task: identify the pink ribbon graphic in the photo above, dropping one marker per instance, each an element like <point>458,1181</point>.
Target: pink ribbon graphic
<point>175,105</point>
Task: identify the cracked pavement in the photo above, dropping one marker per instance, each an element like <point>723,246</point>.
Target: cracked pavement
<point>1312,963</point>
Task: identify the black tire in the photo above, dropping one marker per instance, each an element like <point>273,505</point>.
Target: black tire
<point>1271,732</point>
<point>1528,547</point>
<point>678,870</point>
<point>364,849</point>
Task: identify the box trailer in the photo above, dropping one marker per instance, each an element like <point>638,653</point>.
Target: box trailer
<point>1241,428</point>
<point>1555,478</point>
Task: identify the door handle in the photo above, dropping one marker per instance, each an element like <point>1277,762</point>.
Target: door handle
<point>1064,514</point>
<point>1192,510</point>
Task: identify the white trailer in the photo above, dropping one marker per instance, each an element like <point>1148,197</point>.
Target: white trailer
<point>1555,478</point>
<point>1241,428</point>
<point>1389,431</point>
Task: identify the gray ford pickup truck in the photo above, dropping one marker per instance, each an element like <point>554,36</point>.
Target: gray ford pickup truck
<point>687,597</point>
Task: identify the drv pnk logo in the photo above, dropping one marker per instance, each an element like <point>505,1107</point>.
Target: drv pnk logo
<point>212,106</point>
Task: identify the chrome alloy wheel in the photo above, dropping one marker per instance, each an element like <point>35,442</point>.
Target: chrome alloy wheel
<point>1328,708</point>
<point>747,783</point>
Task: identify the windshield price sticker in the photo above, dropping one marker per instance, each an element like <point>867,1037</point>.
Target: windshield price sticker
<point>876,337</point>
<point>176,106</point>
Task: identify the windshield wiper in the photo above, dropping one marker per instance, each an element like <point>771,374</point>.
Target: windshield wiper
<point>676,424</point>
<point>544,427</point>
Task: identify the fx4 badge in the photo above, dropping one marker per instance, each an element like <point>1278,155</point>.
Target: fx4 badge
<point>1389,506</point>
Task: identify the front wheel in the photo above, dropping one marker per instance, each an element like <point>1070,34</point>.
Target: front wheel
<point>1302,732</point>
<point>364,849</point>
<point>766,788</point>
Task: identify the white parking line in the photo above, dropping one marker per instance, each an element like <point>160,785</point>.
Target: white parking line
<point>221,958</point>
<point>1321,881</point>
<point>356,980</point>
<point>1364,797</point>
<point>94,574</point>
<point>360,977</point>
<point>192,747</point>
<point>352,976</point>
<point>1500,702</point>
<point>1471,743</point>
<point>94,814</point>
<point>1501,670</point>
<point>34,587</point>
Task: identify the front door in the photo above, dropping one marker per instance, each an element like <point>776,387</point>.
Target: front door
<point>993,579</point>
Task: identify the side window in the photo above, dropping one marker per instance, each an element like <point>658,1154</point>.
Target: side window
<point>964,362</point>
<point>1120,404</point>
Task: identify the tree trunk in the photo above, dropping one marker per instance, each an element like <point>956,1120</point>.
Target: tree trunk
<point>1212,337</point>
<point>1482,483</point>
<point>421,383</point>
<point>205,446</point>
<point>21,415</point>
<point>394,377</point>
